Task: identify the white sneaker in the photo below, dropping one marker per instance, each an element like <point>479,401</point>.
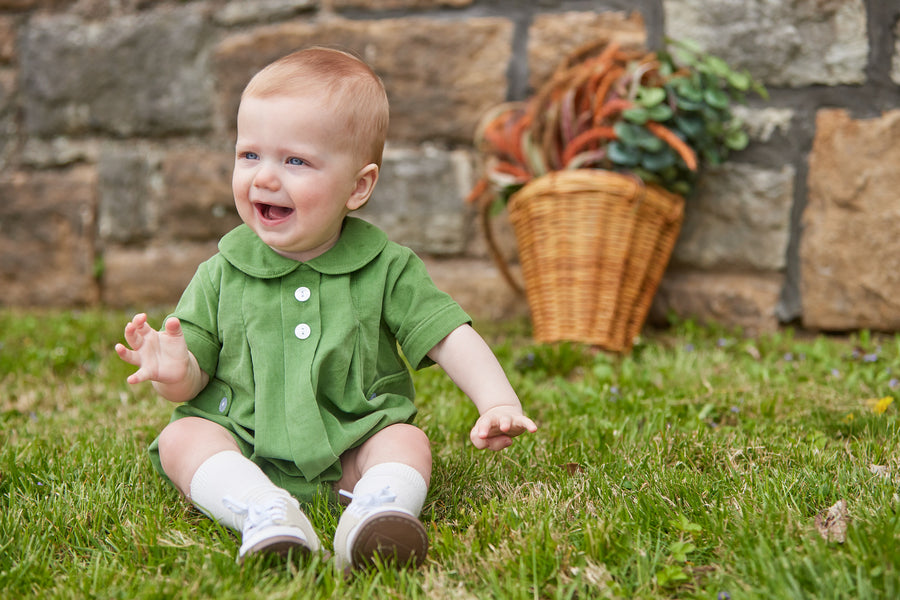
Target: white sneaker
<point>275,526</point>
<point>372,526</point>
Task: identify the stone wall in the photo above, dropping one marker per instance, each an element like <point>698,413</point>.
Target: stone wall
<point>117,124</point>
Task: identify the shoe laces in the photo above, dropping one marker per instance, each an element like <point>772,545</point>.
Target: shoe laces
<point>366,502</point>
<point>258,515</point>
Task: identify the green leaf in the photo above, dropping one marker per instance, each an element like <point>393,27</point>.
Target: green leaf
<point>717,66</point>
<point>688,44</point>
<point>623,155</point>
<point>671,575</point>
<point>650,97</point>
<point>659,160</point>
<point>680,550</point>
<point>716,98</point>
<point>687,89</point>
<point>633,135</point>
<point>682,524</point>
<point>737,139</point>
<point>740,81</point>
<point>690,125</point>
<point>660,113</point>
<point>628,133</point>
<point>636,115</point>
<point>651,144</point>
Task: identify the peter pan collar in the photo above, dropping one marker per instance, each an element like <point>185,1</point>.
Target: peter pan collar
<point>359,244</point>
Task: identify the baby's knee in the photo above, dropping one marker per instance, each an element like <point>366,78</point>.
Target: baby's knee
<point>189,433</point>
<point>410,437</point>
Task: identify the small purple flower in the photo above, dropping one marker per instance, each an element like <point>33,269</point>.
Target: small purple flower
<point>835,373</point>
<point>873,357</point>
<point>722,342</point>
<point>789,356</point>
<point>735,409</point>
<point>723,596</point>
<point>688,347</point>
<point>614,390</point>
<point>893,382</point>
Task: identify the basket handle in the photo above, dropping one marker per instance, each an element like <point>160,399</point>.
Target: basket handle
<point>484,213</point>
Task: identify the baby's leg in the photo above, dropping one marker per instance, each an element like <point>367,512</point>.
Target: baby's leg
<point>389,476</point>
<point>205,464</point>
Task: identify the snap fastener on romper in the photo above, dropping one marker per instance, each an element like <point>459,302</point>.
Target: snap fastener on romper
<point>223,405</point>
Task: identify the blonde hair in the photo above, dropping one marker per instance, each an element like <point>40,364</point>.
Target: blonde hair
<point>350,86</point>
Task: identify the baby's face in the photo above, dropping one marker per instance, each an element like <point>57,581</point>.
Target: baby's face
<point>294,181</point>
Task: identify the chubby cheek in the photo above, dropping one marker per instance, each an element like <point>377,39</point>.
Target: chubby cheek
<point>240,190</point>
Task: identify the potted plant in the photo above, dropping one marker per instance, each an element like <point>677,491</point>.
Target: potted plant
<point>593,170</point>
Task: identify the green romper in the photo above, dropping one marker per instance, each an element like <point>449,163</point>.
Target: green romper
<point>303,356</point>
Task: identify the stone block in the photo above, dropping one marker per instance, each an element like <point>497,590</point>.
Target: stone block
<point>794,43</point>
<point>419,199</point>
<point>19,4</point>
<point>7,40</point>
<point>241,12</point>
<point>762,124</point>
<point>740,300</point>
<point>59,152</point>
<point>128,209</point>
<point>143,74</point>
<point>8,127</point>
<point>849,249</point>
<point>895,59</point>
<point>739,218</point>
<point>197,203</point>
<point>398,4</point>
<point>150,277</point>
<point>552,37</point>
<point>441,75</point>
<point>478,288</point>
<point>47,237</point>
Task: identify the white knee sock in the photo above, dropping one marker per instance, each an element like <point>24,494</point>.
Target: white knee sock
<point>230,474</point>
<point>406,483</point>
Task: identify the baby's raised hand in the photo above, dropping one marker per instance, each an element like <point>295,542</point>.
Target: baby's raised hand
<point>496,428</point>
<point>161,356</point>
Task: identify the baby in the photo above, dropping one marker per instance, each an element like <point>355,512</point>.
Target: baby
<point>282,354</point>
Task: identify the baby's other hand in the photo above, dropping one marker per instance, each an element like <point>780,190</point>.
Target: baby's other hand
<point>496,428</point>
<point>160,356</point>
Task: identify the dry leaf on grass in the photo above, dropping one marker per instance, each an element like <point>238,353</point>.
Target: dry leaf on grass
<point>881,470</point>
<point>832,522</point>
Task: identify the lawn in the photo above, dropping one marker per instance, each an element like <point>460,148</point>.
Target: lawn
<point>704,465</point>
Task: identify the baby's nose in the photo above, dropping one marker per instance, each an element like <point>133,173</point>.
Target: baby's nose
<point>267,177</point>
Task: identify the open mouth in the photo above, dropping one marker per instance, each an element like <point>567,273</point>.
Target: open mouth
<point>270,212</point>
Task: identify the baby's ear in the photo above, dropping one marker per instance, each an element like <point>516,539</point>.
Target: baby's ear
<point>366,179</point>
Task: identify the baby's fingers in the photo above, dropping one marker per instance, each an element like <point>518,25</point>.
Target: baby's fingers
<point>523,424</point>
<point>129,356</point>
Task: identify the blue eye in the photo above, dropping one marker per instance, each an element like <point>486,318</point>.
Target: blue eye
<point>250,155</point>
<point>297,162</point>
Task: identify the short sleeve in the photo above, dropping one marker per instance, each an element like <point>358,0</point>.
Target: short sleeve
<point>198,312</point>
<point>419,314</point>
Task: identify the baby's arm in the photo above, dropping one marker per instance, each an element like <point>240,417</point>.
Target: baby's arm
<point>163,358</point>
<point>472,366</point>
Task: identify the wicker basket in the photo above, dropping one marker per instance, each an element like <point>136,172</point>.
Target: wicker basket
<point>593,245</point>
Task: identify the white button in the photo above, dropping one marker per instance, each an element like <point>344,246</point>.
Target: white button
<point>302,331</point>
<point>302,294</point>
<point>223,405</point>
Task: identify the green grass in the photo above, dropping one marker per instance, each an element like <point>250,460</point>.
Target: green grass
<point>693,468</point>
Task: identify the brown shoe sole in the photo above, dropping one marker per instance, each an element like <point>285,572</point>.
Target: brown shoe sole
<point>281,545</point>
<point>391,536</point>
